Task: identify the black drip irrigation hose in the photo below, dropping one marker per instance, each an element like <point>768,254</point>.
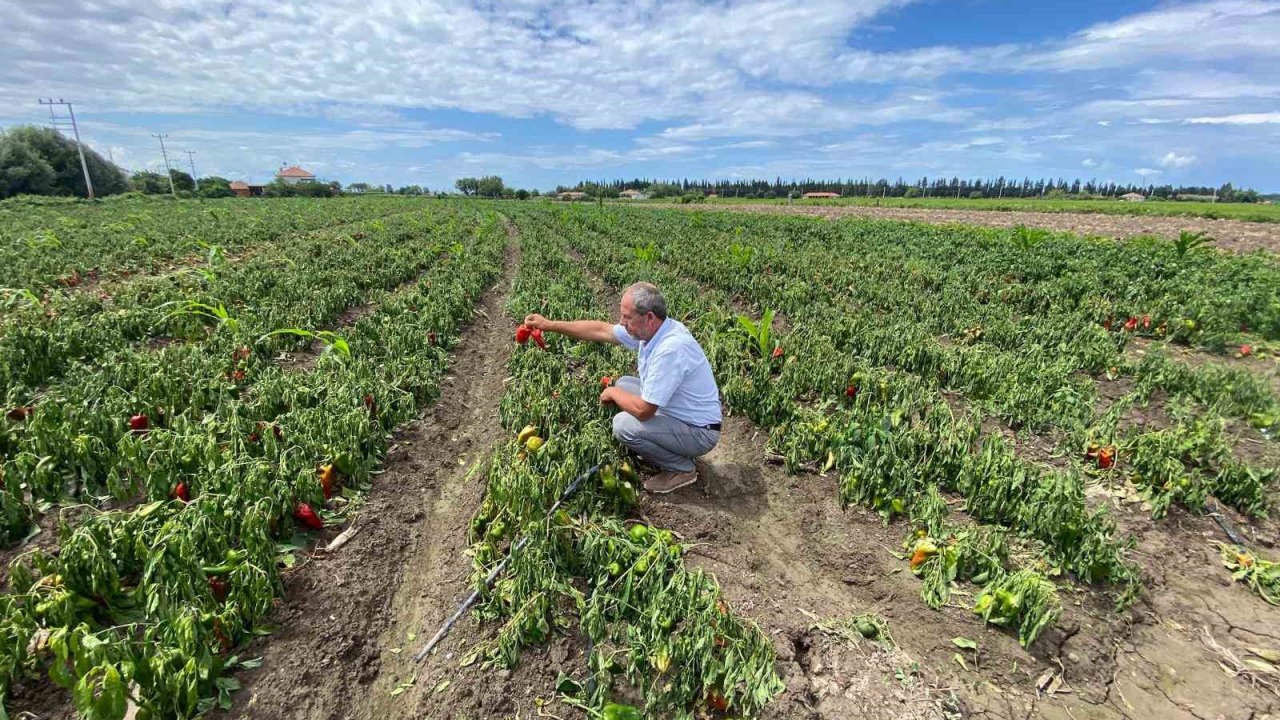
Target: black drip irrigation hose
<point>493,574</point>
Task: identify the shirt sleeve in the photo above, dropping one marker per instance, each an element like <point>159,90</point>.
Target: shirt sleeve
<point>625,338</point>
<point>663,374</point>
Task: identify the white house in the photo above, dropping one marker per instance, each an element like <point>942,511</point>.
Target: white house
<point>1133,197</point>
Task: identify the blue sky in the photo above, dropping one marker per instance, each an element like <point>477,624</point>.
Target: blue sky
<point>398,91</point>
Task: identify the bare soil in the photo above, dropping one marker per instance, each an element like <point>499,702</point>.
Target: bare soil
<point>1232,235</point>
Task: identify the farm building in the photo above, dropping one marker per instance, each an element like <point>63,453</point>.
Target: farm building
<point>632,195</point>
<point>572,195</point>
<point>294,175</point>
<point>244,189</point>
<point>1133,197</point>
<point>819,195</point>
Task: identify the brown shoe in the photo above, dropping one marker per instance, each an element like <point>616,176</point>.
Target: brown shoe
<point>667,481</point>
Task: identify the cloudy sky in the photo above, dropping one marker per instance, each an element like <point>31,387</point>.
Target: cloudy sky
<point>408,91</point>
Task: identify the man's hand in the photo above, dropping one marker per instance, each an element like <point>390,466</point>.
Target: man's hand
<point>606,397</point>
<point>534,321</point>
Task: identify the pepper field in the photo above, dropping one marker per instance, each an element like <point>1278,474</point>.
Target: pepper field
<point>256,452</point>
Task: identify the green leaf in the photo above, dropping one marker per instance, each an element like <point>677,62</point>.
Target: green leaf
<point>964,642</point>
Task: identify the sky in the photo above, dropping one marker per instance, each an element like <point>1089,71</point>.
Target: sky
<point>543,94</point>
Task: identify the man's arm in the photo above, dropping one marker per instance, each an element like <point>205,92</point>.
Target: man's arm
<point>629,403</point>
<point>588,330</point>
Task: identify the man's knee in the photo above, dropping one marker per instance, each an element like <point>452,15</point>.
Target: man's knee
<point>626,429</point>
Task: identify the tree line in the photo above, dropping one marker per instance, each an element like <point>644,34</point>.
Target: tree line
<point>491,186</point>
<point>954,187</point>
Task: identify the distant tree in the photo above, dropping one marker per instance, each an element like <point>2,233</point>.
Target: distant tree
<point>279,188</point>
<point>490,186</point>
<point>23,170</point>
<point>42,161</point>
<point>467,186</point>
<point>213,186</point>
<point>151,183</point>
<point>522,194</point>
<point>182,181</point>
<point>912,192</point>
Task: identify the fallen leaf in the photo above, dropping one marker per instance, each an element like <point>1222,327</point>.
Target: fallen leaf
<point>1261,666</point>
<point>964,642</point>
<point>1271,656</point>
<point>957,659</point>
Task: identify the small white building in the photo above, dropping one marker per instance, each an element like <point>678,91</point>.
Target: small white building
<point>632,195</point>
<point>294,175</point>
<point>1133,197</point>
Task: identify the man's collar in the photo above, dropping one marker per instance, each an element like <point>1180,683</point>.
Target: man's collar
<point>661,329</point>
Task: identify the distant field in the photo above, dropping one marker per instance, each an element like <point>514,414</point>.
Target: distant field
<point>1226,211</point>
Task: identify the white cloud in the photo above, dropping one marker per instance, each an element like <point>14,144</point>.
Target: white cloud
<point>1240,119</point>
<point>1216,30</point>
<point>1174,160</point>
<point>1089,162</point>
<point>1146,172</point>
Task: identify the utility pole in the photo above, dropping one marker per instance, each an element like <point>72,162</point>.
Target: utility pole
<point>75,130</point>
<point>167,171</point>
<point>190,154</point>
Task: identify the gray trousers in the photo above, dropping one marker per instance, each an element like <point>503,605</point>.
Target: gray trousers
<point>664,441</point>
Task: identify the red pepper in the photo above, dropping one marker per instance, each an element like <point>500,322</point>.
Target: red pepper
<point>536,334</point>
<point>717,701</point>
<point>1146,322</point>
<point>370,404</point>
<point>522,334</point>
<point>431,338</point>
<point>851,391</point>
<point>237,376</point>
<point>139,423</point>
<point>305,515</point>
<point>218,587</point>
<point>606,381</point>
<point>1131,324</point>
<point>1106,457</point>
<point>19,414</point>
<point>253,438</point>
<point>1246,350</point>
<point>275,430</point>
<point>777,352</point>
<point>181,493</point>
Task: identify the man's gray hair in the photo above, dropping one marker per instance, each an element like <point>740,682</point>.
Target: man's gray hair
<point>648,299</point>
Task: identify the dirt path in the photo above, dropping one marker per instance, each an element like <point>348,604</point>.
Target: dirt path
<point>1232,235</point>
<point>333,654</point>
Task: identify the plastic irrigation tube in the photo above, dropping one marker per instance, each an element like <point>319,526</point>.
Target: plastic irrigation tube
<point>493,574</point>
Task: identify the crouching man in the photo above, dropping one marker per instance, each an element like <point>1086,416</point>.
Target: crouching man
<point>670,414</point>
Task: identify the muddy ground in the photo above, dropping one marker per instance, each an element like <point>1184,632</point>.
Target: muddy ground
<point>1231,235</point>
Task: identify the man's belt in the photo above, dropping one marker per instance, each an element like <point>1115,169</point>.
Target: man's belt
<point>712,426</point>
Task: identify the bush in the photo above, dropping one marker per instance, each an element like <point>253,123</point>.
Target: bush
<point>688,198</point>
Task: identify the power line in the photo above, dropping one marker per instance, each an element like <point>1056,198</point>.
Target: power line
<point>167,170</point>
<point>75,129</point>
<point>190,154</point>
